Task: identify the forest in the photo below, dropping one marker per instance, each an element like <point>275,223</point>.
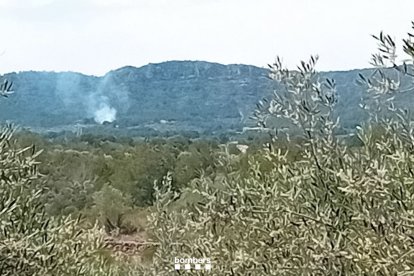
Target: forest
<point>302,201</point>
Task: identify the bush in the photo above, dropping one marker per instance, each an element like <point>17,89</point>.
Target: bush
<point>336,210</point>
<point>31,242</point>
<point>109,206</point>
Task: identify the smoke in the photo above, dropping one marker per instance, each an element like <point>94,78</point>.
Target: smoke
<point>100,98</point>
<point>99,105</point>
<point>67,89</point>
<point>105,113</point>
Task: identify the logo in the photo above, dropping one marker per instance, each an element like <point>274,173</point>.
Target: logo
<point>192,264</point>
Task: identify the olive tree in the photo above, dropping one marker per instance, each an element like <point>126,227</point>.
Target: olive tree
<point>31,242</point>
<point>335,211</point>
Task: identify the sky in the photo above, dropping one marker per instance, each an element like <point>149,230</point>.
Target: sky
<point>96,36</point>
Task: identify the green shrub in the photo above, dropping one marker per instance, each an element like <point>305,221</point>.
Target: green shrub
<point>109,206</point>
<point>31,242</point>
<point>335,210</point>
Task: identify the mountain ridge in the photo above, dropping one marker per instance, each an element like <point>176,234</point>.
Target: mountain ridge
<point>166,62</point>
<point>196,95</point>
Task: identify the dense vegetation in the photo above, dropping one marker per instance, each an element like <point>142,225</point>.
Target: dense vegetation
<point>336,210</point>
<point>33,242</point>
<point>311,204</point>
<point>74,171</point>
<point>169,98</point>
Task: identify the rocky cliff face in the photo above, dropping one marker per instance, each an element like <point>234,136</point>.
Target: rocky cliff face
<point>203,94</point>
<point>191,94</point>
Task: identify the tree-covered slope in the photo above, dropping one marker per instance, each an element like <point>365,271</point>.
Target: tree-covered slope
<point>185,94</point>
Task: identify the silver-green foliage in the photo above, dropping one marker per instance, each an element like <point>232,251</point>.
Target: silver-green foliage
<point>335,211</point>
<point>31,243</point>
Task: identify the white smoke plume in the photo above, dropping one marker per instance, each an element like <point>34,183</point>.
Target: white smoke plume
<point>105,113</point>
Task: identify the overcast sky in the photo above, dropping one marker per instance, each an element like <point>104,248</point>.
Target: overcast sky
<point>95,36</point>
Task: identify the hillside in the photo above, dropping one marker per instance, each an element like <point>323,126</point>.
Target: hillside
<point>175,95</point>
